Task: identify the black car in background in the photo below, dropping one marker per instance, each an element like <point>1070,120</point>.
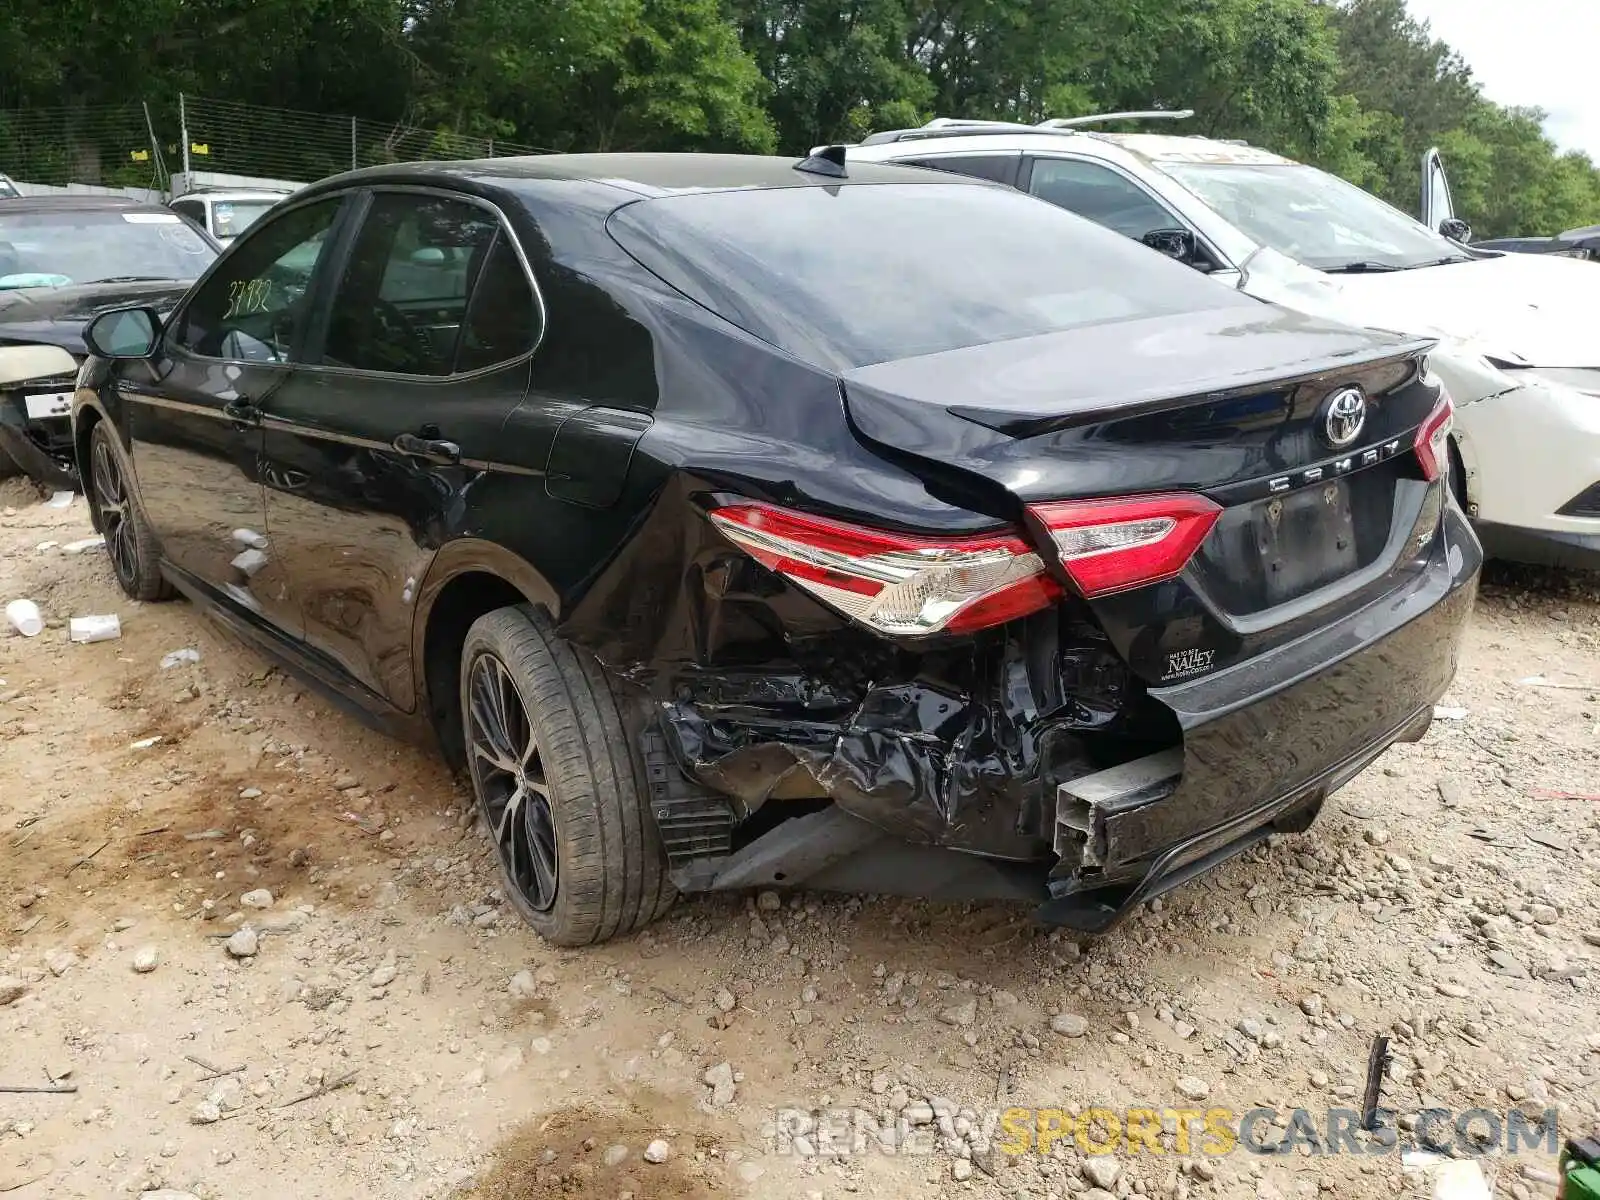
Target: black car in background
<point>735,522</point>
<point>1574,243</point>
<point>64,258</point>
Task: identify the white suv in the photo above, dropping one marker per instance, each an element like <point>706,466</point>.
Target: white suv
<point>1518,347</point>
<point>225,215</point>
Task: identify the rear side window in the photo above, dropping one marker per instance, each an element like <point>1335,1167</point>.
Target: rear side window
<point>410,295</point>
<point>997,168</point>
<point>501,320</point>
<point>847,276</point>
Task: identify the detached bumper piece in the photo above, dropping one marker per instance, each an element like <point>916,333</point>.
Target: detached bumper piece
<point>37,462</point>
<point>1094,804</point>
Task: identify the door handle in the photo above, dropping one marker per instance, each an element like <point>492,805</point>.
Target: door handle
<point>434,450</point>
<point>242,413</point>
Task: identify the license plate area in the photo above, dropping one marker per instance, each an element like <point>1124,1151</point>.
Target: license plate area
<point>44,405</point>
<point>1306,539</point>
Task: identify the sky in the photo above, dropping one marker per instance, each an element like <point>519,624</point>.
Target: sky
<point>1534,53</point>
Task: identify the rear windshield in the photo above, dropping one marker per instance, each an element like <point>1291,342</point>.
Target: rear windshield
<point>849,276</point>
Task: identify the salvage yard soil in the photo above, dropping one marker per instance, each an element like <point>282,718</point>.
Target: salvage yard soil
<point>392,1030</point>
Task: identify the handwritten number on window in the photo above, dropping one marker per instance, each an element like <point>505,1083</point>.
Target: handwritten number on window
<point>246,297</point>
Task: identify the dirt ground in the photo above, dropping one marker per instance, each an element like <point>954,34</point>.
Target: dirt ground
<point>386,1028</point>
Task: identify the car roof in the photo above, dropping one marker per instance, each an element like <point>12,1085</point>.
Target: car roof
<point>641,174</point>
<point>1155,148</point>
<point>74,202</point>
<point>226,194</point>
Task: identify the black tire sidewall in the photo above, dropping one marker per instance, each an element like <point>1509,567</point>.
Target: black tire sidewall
<point>147,583</point>
<point>611,870</point>
<point>549,922</point>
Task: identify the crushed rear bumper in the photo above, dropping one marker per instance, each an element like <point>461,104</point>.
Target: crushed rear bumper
<point>960,788</point>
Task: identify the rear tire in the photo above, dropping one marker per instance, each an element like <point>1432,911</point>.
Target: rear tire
<point>560,785</point>
<point>8,465</point>
<point>130,543</point>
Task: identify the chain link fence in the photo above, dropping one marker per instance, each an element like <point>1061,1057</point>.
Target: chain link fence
<point>110,146</point>
<point>243,139</point>
<point>143,144</point>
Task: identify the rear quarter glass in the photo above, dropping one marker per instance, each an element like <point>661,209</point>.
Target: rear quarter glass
<point>850,276</point>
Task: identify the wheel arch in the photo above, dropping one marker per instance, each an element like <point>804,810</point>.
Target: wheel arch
<point>1464,457</point>
<point>468,578</point>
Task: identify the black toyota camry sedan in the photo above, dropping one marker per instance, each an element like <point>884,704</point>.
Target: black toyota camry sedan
<point>740,522</point>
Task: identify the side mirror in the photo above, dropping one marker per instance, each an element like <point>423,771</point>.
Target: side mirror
<point>1174,243</point>
<point>1456,229</point>
<point>123,333</point>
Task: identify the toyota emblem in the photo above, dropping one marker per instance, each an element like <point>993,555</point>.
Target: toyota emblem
<point>1344,417</point>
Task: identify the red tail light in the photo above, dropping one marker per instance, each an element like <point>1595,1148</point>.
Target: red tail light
<point>894,583</point>
<point>1112,545</point>
<point>1433,440</point>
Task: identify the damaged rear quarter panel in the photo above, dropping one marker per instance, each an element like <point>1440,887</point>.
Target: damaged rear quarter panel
<point>769,697</point>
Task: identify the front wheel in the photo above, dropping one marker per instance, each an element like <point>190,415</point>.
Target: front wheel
<point>559,784</point>
<point>130,543</point>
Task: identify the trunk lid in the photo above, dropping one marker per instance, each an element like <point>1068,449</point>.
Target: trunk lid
<point>1235,407</point>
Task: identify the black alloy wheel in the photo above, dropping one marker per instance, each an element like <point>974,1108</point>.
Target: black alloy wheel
<point>135,555</point>
<point>508,776</point>
<point>560,781</point>
<point>111,508</point>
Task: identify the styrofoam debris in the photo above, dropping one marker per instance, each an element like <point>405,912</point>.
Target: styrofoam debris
<point>144,743</point>
<point>25,618</point>
<point>1460,1179</point>
<point>1442,712</point>
<point>250,538</point>
<point>250,561</point>
<point>101,627</point>
<point>186,655</point>
<point>59,500</point>
<point>88,543</point>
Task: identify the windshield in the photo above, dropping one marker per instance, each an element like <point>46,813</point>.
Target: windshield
<point>230,218</point>
<point>849,276</point>
<point>1313,217</point>
<point>60,248</point>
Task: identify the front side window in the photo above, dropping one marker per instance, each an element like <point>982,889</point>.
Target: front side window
<point>255,307</point>
<point>59,247</point>
<point>403,304</point>
<point>1101,194</point>
<point>1315,218</point>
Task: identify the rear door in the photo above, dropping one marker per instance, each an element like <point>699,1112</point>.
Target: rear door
<point>421,357</point>
<point>195,419</point>
<point>1437,205</point>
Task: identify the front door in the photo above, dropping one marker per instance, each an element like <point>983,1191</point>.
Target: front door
<point>1437,205</point>
<point>370,452</point>
<point>197,445</point>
